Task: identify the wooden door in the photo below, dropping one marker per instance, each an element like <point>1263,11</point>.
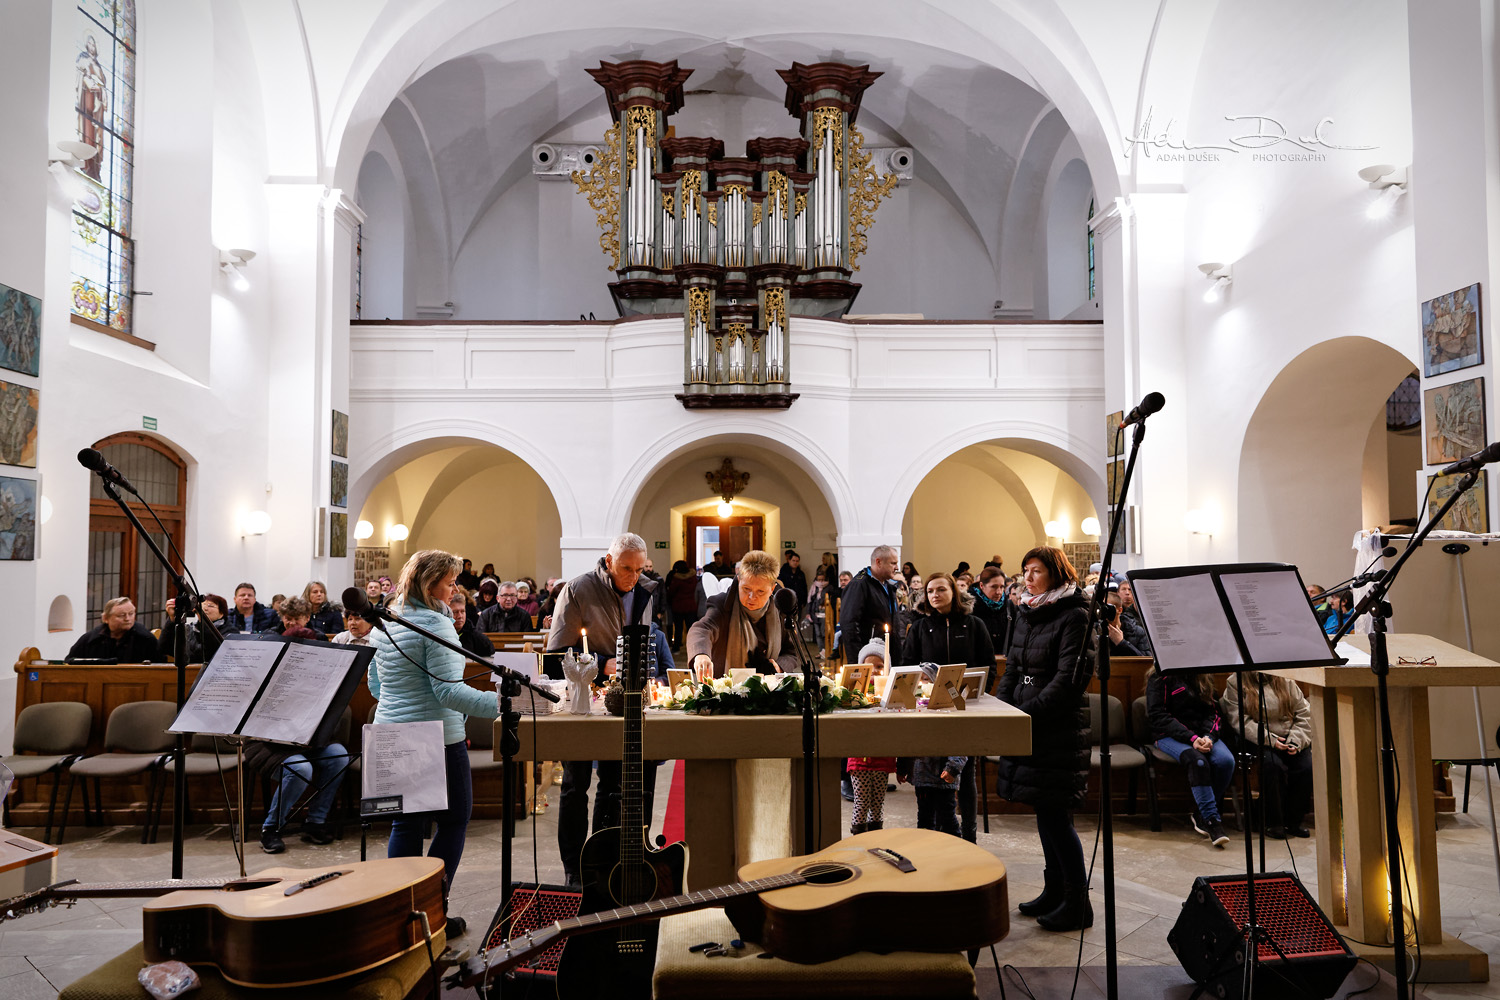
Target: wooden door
<point>737,535</point>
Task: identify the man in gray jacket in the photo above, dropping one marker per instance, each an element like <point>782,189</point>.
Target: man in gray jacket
<point>603,601</point>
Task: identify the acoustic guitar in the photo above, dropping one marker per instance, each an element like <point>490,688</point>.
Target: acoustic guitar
<point>617,867</point>
<point>885,890</point>
<point>282,926</point>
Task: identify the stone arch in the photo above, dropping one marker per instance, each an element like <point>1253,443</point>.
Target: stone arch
<point>779,438</point>
<point>1062,448</point>
<point>390,452</point>
<point>1313,434</point>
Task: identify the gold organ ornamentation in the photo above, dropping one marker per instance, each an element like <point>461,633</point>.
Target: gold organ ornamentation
<point>755,214</point>
<point>602,188</point>
<point>638,117</point>
<point>825,119</point>
<point>775,306</point>
<point>666,202</point>
<point>698,303</point>
<point>866,192</point>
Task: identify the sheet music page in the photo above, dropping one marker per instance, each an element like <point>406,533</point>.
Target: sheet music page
<point>521,663</point>
<point>226,688</point>
<point>1275,617</point>
<point>299,693</point>
<point>406,759</point>
<point>1186,622</point>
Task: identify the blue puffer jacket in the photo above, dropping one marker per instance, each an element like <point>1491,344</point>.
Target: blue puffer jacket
<point>406,694</point>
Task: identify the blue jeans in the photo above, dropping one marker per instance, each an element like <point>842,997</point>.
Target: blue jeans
<point>323,764</point>
<point>1208,773</point>
<point>452,823</point>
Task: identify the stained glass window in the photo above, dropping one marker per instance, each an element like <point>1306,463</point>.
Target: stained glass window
<point>1089,225</point>
<point>104,94</point>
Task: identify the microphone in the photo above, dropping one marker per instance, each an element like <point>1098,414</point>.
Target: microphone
<point>93,461</point>
<point>356,602</point>
<point>1478,460</point>
<point>1153,402</point>
<point>786,603</point>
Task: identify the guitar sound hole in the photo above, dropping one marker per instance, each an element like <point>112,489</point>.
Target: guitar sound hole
<point>632,883</point>
<point>246,884</point>
<point>826,874</point>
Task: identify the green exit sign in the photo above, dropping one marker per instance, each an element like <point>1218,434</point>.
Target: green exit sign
<point>788,544</point>
<point>661,545</point>
<point>148,423</point>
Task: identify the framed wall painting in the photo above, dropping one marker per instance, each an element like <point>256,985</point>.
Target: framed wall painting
<point>1451,332</point>
<point>1114,440</point>
<point>17,519</point>
<point>1115,480</point>
<point>340,434</point>
<point>338,491</point>
<point>1471,513</point>
<point>1453,420</point>
<point>318,532</point>
<point>371,562</point>
<point>338,535</point>
<point>20,331</point>
<point>18,412</point>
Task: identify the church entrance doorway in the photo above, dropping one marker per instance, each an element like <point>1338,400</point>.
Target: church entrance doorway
<point>733,536</point>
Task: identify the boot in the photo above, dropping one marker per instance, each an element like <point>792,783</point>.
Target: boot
<point>875,824</point>
<point>1072,913</point>
<point>857,828</point>
<point>1048,900</point>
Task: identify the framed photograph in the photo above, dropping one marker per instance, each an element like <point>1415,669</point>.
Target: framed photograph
<point>1451,332</point>
<point>1127,543</point>
<point>18,408</point>
<point>17,518</point>
<point>1453,416</point>
<point>1471,513</point>
<point>318,532</point>
<point>338,492</point>
<point>1114,439</point>
<point>371,562</point>
<point>340,434</point>
<point>338,535</point>
<point>20,331</point>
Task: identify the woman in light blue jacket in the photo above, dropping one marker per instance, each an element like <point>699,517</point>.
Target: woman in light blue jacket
<point>416,680</point>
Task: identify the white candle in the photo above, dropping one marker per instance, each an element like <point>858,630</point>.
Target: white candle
<point>887,646</point>
<point>586,640</point>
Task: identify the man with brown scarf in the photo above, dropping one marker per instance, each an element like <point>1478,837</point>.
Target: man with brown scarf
<point>742,627</point>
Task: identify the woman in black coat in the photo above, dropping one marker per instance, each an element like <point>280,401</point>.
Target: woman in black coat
<point>1045,677</point>
<point>944,631</point>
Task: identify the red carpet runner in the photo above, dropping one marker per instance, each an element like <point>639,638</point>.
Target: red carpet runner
<point>671,822</point>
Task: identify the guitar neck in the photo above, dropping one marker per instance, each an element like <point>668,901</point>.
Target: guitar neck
<point>99,890</point>
<point>517,950</point>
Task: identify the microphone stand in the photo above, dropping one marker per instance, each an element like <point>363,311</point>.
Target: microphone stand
<point>811,696</point>
<point>185,596</point>
<point>511,684</point>
<point>1100,629</point>
<point>1374,604</point>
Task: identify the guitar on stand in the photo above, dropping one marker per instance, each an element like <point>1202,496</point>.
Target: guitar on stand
<point>618,867</point>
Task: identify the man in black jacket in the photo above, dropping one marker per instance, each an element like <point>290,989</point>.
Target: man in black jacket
<point>249,615</point>
<point>792,577</point>
<point>118,637</point>
<point>869,605</point>
<point>469,635</point>
<point>503,615</point>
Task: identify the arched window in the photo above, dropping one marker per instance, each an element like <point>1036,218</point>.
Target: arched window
<point>104,94</point>
<point>1088,225</point>
<point>120,565</point>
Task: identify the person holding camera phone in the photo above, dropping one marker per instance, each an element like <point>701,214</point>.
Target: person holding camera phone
<point>1286,766</point>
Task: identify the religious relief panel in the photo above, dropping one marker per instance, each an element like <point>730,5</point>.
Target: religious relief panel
<point>735,244</point>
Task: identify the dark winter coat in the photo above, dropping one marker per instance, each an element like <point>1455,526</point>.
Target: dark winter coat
<point>1175,710</point>
<point>262,619</point>
<point>472,639</point>
<point>498,619</point>
<point>927,772</point>
<point>136,645</point>
<point>682,593</point>
<point>329,619</point>
<point>1135,634</point>
<point>952,638</point>
<point>795,580</point>
<point>996,618</point>
<point>867,607</point>
<point>1044,678</point>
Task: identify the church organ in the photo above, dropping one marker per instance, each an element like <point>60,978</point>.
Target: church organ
<point>736,245</point>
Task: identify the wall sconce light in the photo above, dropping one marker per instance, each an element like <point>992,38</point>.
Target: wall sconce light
<point>1390,182</point>
<point>1091,527</point>
<point>232,263</point>
<point>1056,529</point>
<point>1221,275</point>
<point>362,530</point>
<point>255,522</point>
<point>1199,522</point>
<point>397,532</point>
<point>66,166</point>
<point>44,511</point>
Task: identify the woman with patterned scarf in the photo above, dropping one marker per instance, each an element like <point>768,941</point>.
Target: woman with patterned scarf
<point>742,627</point>
<point>1045,676</point>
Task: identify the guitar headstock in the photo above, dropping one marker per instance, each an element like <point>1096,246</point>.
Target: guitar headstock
<point>35,901</point>
<point>513,952</point>
<point>635,657</point>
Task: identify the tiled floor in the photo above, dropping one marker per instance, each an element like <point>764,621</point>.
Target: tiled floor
<point>42,952</point>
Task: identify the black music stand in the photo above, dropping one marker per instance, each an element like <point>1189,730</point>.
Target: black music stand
<point>1229,618</point>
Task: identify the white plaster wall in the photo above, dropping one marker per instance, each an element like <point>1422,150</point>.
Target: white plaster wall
<point>383,254</point>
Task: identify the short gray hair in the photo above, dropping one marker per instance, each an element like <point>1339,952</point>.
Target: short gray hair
<point>628,542</point>
<point>509,583</point>
<point>883,550</point>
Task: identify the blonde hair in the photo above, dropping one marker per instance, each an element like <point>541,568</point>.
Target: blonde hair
<point>307,592</point>
<point>423,571</point>
<point>112,603</point>
<point>757,563</point>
